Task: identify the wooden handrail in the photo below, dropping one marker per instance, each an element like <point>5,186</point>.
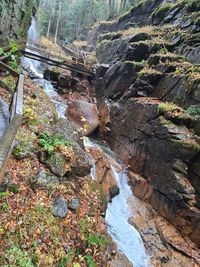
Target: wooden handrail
<point>16,110</point>
<point>8,68</point>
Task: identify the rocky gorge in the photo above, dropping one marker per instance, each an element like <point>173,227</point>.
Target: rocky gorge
<point>144,105</point>
<point>147,89</point>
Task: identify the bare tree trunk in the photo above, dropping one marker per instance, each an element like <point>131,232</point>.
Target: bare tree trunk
<point>124,4</point>
<point>110,7</point>
<point>49,27</point>
<point>58,22</point>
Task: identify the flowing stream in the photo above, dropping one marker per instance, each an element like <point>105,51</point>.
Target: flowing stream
<point>125,236</point>
<point>36,69</point>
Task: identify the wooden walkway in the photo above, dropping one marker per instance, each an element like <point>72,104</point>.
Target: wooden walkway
<point>58,61</point>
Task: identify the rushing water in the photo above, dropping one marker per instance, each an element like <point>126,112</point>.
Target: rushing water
<point>31,65</point>
<point>123,234</point>
<point>36,69</point>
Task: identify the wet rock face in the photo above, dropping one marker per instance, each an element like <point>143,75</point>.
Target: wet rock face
<point>164,244</point>
<point>103,172</point>
<point>161,152</point>
<point>13,23</point>
<point>141,75</point>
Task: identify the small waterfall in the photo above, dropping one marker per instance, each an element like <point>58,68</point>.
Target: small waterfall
<point>123,234</point>
<point>126,237</point>
<point>35,67</point>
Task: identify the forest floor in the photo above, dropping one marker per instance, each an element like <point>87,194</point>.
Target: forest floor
<point>30,235</point>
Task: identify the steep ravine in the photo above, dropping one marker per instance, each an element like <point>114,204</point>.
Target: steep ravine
<point>164,244</point>
<point>123,234</point>
<point>148,97</point>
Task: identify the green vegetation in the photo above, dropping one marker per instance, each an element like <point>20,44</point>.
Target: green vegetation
<point>91,238</point>
<point>101,47</point>
<point>50,142</point>
<point>14,188</point>
<point>136,5</point>
<point>12,54</point>
<point>162,10</point>
<point>194,110</point>
<point>80,16</point>
<point>168,107</point>
<point>15,256</point>
<point>193,5</point>
<point>8,82</point>
<point>149,71</point>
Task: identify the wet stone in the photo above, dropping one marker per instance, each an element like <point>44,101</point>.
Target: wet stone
<point>44,179</point>
<point>74,204</point>
<point>59,208</point>
<point>113,191</point>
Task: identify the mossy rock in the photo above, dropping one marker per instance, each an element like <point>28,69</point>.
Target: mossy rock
<point>44,180</point>
<point>58,165</point>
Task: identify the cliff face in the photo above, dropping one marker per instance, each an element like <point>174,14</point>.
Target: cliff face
<point>15,18</point>
<point>149,103</point>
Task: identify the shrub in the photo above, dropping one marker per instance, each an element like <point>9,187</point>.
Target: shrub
<point>193,110</point>
<point>50,141</point>
<point>17,257</point>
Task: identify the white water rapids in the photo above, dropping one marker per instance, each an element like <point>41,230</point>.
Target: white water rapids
<point>123,234</point>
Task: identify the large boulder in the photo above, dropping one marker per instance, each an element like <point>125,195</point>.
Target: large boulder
<point>84,115</point>
<point>69,158</point>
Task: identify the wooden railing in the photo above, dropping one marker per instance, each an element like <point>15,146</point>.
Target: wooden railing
<point>16,110</point>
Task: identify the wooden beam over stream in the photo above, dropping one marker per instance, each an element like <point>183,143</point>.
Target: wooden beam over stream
<point>64,64</point>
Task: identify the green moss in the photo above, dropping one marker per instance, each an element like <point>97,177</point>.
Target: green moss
<point>149,71</point>
<point>194,110</point>
<point>15,256</point>
<point>142,63</point>
<point>162,10</point>
<point>168,107</point>
<point>188,144</point>
<point>24,144</point>
<point>173,112</point>
<point>101,47</point>
<point>133,8</point>
<point>111,35</point>
<point>9,82</point>
<point>14,188</point>
<point>193,5</point>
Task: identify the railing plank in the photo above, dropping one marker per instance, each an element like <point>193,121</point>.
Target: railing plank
<point>7,68</point>
<point>19,104</point>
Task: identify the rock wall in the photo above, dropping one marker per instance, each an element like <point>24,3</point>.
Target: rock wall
<point>15,19</point>
<point>148,95</point>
